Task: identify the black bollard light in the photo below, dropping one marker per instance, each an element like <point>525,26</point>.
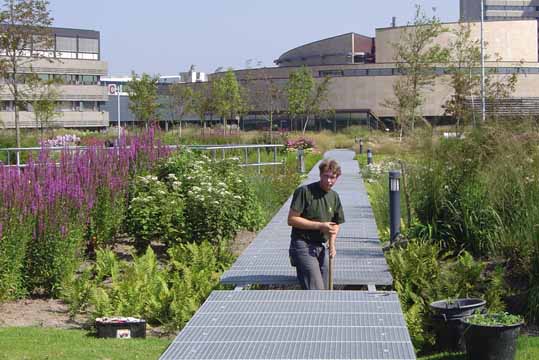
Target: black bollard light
<point>394,205</point>
<point>369,156</point>
<point>301,161</point>
<point>360,146</point>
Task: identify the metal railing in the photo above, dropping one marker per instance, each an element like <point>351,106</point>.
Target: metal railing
<point>213,149</point>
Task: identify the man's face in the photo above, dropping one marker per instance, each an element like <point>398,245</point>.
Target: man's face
<point>327,180</point>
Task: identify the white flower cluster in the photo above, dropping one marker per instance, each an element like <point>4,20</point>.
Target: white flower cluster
<point>61,140</point>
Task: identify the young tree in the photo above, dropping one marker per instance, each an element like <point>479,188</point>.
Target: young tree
<point>143,97</point>
<point>306,96</point>
<point>25,37</point>
<point>202,104</point>
<point>465,79</point>
<point>266,95</point>
<point>45,96</point>
<point>416,56</point>
<point>497,89</point>
<point>180,102</point>
<point>228,99</point>
<point>463,60</point>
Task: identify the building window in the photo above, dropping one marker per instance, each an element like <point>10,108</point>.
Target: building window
<point>324,73</point>
<point>88,106</point>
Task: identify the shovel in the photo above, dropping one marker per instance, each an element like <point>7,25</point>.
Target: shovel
<point>330,274</point>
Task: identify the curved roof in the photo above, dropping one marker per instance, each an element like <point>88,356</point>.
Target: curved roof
<point>338,49</point>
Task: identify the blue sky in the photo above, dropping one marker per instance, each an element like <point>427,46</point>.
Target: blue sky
<point>167,36</point>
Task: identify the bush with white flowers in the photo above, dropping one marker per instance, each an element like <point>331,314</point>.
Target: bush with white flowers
<point>192,198</point>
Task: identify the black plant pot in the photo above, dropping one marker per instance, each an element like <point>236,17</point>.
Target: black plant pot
<point>447,315</point>
<point>490,342</point>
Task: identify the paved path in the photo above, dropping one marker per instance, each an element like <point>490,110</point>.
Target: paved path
<point>359,260</point>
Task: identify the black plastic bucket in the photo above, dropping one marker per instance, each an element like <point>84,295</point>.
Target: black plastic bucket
<point>447,317</point>
<point>490,342</point>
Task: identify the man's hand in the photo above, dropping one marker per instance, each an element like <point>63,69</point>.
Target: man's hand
<point>329,228</point>
<point>332,250</point>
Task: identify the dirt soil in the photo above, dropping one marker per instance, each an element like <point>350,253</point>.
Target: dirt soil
<point>54,313</point>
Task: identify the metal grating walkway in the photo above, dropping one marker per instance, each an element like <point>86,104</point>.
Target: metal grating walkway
<point>288,324</point>
<point>359,260</point>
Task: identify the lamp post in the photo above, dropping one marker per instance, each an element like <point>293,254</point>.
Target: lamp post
<point>483,103</point>
<point>118,91</point>
<point>394,205</point>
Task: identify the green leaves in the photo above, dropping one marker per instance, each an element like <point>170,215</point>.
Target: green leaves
<point>167,294</point>
<point>500,319</point>
<point>143,97</point>
<point>228,99</point>
<point>305,96</point>
<point>156,211</point>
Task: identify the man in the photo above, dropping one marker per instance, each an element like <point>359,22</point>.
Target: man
<point>315,215</point>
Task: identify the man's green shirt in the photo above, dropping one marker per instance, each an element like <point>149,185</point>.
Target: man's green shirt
<point>313,203</point>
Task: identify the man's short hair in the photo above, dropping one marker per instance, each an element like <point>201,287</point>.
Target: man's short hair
<point>330,165</point>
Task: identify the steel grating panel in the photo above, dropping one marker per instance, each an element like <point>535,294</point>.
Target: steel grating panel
<point>295,325</point>
<point>269,277</point>
<point>359,261</point>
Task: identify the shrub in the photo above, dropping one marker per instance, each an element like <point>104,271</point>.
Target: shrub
<point>156,211</point>
<point>221,202</point>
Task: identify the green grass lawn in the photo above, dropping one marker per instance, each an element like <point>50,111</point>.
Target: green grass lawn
<point>47,343</point>
<point>528,349</point>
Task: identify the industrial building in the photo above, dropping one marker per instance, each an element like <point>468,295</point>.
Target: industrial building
<point>363,72</point>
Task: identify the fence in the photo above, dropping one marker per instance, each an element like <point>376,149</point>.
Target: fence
<point>15,153</point>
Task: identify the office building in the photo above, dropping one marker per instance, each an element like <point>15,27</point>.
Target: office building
<point>75,59</point>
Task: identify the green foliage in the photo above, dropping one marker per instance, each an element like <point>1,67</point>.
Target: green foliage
<point>106,218</point>
<point>221,202</point>
<point>14,241</point>
<point>416,56</point>
<point>167,294</point>
<point>496,290</point>
<point>156,210</point>
<point>50,343</point>
<point>77,290</point>
<point>228,99</point>
<point>25,22</point>
<point>447,186</point>
<point>143,97</point>
<point>53,258</point>
<point>306,97</point>
<point>499,319</point>
<point>273,190</point>
<point>179,102</point>
<point>423,273</point>
<point>415,270</point>
<point>462,277</point>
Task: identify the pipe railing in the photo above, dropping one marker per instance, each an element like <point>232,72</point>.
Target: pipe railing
<point>214,149</point>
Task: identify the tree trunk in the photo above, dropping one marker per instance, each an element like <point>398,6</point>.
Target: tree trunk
<point>305,125</point>
<point>271,127</point>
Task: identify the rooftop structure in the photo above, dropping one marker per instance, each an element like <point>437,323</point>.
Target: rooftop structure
<point>470,10</point>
